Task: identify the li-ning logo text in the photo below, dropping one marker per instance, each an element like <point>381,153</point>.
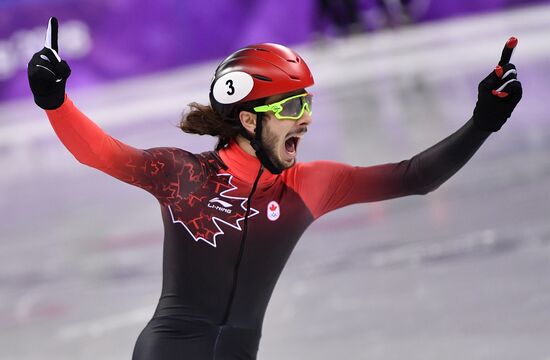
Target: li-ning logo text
<point>224,205</point>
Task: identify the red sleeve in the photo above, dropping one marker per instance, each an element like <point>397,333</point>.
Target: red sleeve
<point>325,186</point>
<point>156,170</point>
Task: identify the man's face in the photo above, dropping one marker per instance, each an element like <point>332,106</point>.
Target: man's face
<point>281,137</point>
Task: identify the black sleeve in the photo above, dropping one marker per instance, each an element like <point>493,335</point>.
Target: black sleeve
<point>325,186</point>
<point>429,169</point>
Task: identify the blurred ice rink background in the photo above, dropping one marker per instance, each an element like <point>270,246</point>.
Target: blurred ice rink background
<point>462,273</point>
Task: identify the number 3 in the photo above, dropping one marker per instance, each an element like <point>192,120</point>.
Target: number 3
<point>231,90</point>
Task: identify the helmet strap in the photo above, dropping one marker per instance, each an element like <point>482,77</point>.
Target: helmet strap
<point>259,148</point>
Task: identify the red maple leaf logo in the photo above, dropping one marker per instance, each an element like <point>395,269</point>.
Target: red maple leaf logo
<point>202,214</point>
<point>273,207</point>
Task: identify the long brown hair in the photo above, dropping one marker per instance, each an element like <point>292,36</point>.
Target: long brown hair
<point>204,120</point>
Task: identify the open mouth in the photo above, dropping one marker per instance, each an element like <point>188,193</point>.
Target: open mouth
<point>291,146</point>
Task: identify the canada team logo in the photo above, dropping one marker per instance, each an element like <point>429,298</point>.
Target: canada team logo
<point>273,211</point>
<point>203,215</point>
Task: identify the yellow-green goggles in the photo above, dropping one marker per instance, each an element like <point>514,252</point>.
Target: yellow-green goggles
<point>291,108</point>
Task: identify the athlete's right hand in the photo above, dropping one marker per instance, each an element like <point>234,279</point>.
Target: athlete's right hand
<point>48,73</point>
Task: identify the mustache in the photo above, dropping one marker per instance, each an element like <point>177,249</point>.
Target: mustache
<point>299,131</point>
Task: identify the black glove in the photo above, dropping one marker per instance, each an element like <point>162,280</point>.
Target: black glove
<point>498,93</point>
<point>48,73</point>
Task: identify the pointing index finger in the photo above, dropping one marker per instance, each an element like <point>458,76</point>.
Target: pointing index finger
<point>51,37</point>
<point>508,51</point>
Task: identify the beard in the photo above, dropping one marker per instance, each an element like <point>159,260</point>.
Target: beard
<point>269,140</point>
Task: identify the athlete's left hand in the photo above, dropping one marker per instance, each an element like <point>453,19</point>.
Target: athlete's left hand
<point>498,93</point>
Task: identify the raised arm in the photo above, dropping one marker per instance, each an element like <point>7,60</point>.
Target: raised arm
<point>156,170</point>
<point>325,186</point>
<point>498,95</point>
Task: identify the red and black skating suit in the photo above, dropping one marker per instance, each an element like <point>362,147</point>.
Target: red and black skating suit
<point>225,244</point>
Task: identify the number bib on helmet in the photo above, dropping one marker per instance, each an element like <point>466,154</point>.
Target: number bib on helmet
<point>233,87</point>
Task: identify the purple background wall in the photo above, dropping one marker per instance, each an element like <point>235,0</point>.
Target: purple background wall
<point>105,39</point>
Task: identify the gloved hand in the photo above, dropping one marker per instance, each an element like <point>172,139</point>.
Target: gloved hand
<point>498,93</point>
<point>48,73</point>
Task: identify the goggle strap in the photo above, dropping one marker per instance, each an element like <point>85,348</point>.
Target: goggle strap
<point>262,108</point>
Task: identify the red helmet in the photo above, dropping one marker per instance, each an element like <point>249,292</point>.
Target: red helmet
<point>256,72</point>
